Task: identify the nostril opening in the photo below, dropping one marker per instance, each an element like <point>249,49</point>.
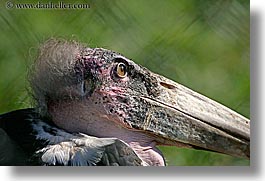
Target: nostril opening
<point>166,85</point>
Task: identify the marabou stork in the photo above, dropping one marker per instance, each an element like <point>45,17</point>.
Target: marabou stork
<point>96,107</point>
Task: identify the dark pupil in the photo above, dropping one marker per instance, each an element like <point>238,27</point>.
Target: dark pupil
<point>122,67</point>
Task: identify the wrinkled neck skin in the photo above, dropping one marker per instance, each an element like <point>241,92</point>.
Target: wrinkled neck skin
<point>147,151</point>
<point>75,117</point>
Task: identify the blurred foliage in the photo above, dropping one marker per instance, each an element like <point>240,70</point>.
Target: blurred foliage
<point>202,44</point>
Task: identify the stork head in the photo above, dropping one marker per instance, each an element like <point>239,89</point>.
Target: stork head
<point>104,94</point>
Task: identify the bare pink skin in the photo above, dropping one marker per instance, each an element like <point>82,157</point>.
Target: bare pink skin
<point>65,115</point>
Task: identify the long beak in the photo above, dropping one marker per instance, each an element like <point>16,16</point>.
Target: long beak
<point>182,117</point>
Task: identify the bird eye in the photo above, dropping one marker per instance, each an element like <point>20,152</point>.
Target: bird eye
<point>121,70</point>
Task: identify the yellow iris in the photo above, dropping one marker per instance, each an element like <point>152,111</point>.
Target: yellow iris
<point>121,70</point>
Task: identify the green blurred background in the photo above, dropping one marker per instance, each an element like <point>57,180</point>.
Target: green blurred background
<point>202,44</point>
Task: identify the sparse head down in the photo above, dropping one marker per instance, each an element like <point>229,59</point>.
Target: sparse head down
<point>53,71</point>
<point>104,94</point>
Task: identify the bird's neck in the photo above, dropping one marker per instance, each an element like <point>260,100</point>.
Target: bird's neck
<point>76,119</point>
<point>148,153</point>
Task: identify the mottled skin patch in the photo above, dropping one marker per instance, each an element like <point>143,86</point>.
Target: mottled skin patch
<point>80,89</point>
<point>120,94</point>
